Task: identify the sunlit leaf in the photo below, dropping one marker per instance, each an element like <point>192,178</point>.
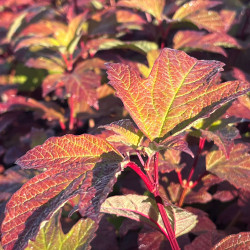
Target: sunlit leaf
<point>193,7</point>
<point>84,165</point>
<point>51,236</point>
<point>125,132</point>
<point>153,7</point>
<point>197,13</point>
<point>234,242</point>
<point>15,25</point>
<point>236,169</point>
<point>179,90</point>
<point>144,209</point>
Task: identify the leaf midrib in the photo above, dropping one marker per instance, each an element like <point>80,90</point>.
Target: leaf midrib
<point>173,98</point>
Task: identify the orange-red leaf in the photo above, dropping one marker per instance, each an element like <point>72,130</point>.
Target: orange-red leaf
<point>223,138</point>
<point>197,13</point>
<point>199,40</point>
<point>73,165</point>
<point>179,90</point>
<point>153,7</point>
<point>236,170</point>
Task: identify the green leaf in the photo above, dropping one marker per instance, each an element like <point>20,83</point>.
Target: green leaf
<point>125,132</point>
<point>144,209</point>
<point>51,236</point>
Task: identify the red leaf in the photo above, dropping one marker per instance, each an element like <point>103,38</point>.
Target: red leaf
<point>239,241</point>
<point>199,40</point>
<point>179,90</point>
<point>236,170</point>
<point>83,165</point>
<point>223,138</point>
<point>205,241</point>
<point>149,239</point>
<point>47,110</point>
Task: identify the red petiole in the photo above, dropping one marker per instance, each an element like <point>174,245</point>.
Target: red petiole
<point>153,187</point>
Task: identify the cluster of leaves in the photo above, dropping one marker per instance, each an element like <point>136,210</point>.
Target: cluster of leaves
<point>177,120</point>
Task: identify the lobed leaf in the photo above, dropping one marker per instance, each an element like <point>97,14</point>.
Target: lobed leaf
<point>84,165</point>
<point>179,90</point>
<point>240,241</point>
<point>144,209</point>
<point>223,138</point>
<point>236,170</point>
<point>51,236</point>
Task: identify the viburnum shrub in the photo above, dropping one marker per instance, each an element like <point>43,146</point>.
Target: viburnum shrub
<point>121,139</point>
<point>179,91</point>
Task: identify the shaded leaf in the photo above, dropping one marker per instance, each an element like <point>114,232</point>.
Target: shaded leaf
<point>105,231</point>
<point>74,165</point>
<point>236,170</point>
<point>204,223</point>
<point>144,209</point>
<point>138,46</point>
<point>197,13</point>
<point>51,236</point>
<point>179,90</point>
<point>239,241</point>
<point>148,240</point>
<point>192,7</point>
<point>19,102</point>
<point>199,40</point>
<point>240,108</point>
<point>125,131</point>
<point>205,241</point>
<point>153,7</point>
<point>223,138</point>
<point>12,179</point>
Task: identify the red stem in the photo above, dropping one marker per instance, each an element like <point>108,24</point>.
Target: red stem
<point>153,188</point>
<point>137,169</point>
<point>62,125</point>
<point>156,172</point>
<point>140,158</point>
<point>146,168</point>
<point>179,176</point>
<point>171,236</point>
<point>198,180</point>
<point>201,146</point>
<point>71,118</point>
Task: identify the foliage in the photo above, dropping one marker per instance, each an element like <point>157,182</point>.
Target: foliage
<point>94,91</point>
